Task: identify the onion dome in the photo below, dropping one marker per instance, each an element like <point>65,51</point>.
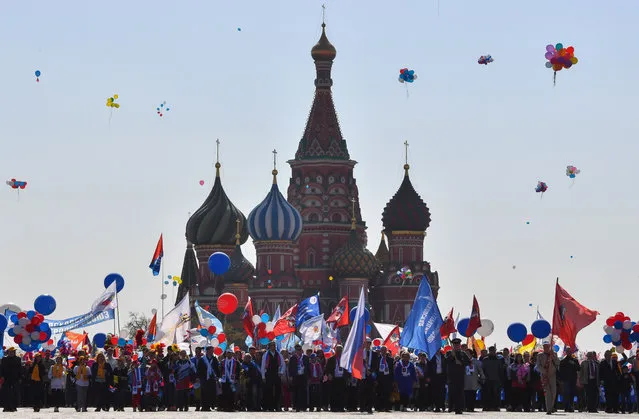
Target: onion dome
<point>189,273</point>
<point>214,222</point>
<point>241,270</point>
<point>406,211</point>
<point>382,255</point>
<point>323,50</point>
<point>354,260</point>
<point>274,218</point>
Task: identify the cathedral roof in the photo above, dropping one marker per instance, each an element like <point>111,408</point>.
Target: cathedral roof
<point>406,211</point>
<point>354,260</point>
<point>189,273</point>
<point>322,137</point>
<point>382,254</point>
<point>214,221</point>
<point>274,218</point>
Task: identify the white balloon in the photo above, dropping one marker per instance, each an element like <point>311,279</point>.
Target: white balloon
<point>154,311</point>
<point>616,335</point>
<point>269,326</point>
<point>627,325</point>
<point>609,330</point>
<point>124,333</point>
<point>208,322</point>
<point>35,335</point>
<point>24,321</point>
<point>257,320</point>
<point>215,342</point>
<point>17,330</point>
<point>26,340</point>
<point>24,333</point>
<point>487,328</point>
<point>619,349</point>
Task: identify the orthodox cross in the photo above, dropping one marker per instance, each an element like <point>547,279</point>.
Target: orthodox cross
<point>406,151</point>
<point>274,159</point>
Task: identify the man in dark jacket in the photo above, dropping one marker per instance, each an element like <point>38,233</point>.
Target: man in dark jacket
<point>208,369</point>
<point>568,372</point>
<point>11,373</point>
<point>456,363</point>
<point>493,368</point>
<point>298,370</point>
<point>437,380</point>
<point>610,374</point>
<point>367,388</point>
<point>337,376</point>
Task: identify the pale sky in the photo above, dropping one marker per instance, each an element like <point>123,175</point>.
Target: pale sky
<point>99,194</point>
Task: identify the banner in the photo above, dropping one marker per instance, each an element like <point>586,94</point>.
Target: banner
<point>77,322</point>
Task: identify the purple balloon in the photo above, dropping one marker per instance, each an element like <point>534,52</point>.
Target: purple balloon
<point>549,55</point>
<point>550,48</point>
<point>568,64</point>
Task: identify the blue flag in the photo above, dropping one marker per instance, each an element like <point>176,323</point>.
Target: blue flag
<point>421,330</point>
<point>306,309</point>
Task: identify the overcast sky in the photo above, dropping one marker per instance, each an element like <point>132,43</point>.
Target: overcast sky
<point>103,185</point>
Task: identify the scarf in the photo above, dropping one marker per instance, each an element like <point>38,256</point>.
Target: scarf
<point>404,366</point>
<point>100,373</point>
<point>229,370</point>
<point>383,366</point>
<point>82,372</point>
<point>35,375</point>
<point>315,368</point>
<point>209,369</point>
<point>57,371</point>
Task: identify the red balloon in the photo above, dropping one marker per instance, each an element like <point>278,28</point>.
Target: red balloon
<point>261,326</point>
<point>620,315</point>
<point>261,333</point>
<point>377,342</point>
<point>610,321</point>
<point>50,342</point>
<point>144,341</point>
<point>221,337</point>
<point>527,340</point>
<point>635,328</point>
<point>40,317</point>
<point>29,328</point>
<point>18,339</point>
<point>227,303</point>
<point>22,314</point>
<point>43,336</point>
<point>114,340</point>
<point>212,330</point>
<point>270,335</point>
<point>447,348</point>
<point>36,321</point>
<point>217,351</point>
<point>236,349</point>
<point>627,345</point>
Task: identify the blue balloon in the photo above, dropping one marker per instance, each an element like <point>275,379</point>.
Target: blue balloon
<point>117,278</point>
<point>14,318</point>
<point>264,341</point>
<point>617,343</point>
<point>540,329</point>
<point>121,342</point>
<point>204,332</point>
<point>607,339</point>
<point>3,323</point>
<point>367,314</point>
<point>10,332</point>
<point>30,314</point>
<point>219,263</point>
<point>556,348</point>
<point>45,304</point>
<point>99,340</point>
<point>265,318</point>
<point>618,324</point>
<point>517,332</point>
<point>368,329</point>
<point>37,73</point>
<point>222,346</point>
<point>462,326</point>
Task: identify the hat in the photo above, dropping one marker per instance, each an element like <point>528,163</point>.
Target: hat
<point>11,349</point>
<point>252,347</point>
<point>456,341</point>
<point>369,340</point>
<point>313,355</point>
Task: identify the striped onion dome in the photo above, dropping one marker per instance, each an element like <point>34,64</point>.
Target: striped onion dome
<point>274,218</point>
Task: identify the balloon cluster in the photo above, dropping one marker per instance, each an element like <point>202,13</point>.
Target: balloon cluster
<point>407,76</point>
<point>265,327</point>
<point>559,57</point>
<point>176,280</point>
<point>215,338</point>
<point>621,332</point>
<point>162,108</point>
<point>405,273</point>
<point>517,332</point>
<point>17,184</point>
<point>111,102</point>
<point>37,74</point>
<point>29,329</point>
<point>541,187</point>
<point>572,171</point>
<point>485,59</point>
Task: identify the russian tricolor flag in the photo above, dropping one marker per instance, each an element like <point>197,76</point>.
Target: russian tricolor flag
<point>352,358</point>
<point>156,262</point>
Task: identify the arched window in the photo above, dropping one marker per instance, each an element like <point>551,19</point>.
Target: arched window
<point>313,218</point>
<point>400,255</point>
<point>310,259</point>
<point>414,259</point>
<point>337,218</point>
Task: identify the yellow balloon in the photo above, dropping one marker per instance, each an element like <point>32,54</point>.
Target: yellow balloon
<point>115,96</point>
<point>574,60</point>
<point>117,105</point>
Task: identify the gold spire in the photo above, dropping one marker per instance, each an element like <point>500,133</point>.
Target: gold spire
<point>323,15</point>
<point>353,215</point>
<point>406,166</point>
<point>274,172</point>
<point>237,232</point>
<point>217,158</point>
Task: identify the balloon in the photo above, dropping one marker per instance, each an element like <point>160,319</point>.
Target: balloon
<point>635,328</point>
<point>117,278</point>
<point>540,329</point>
<point>221,337</point>
<point>121,342</point>
<point>218,351</point>
<point>377,342</point>
<point>44,327</point>
<point>270,326</point>
<point>227,302</point>
<point>487,328</point>
<point>3,323</point>
<point>215,342</point>
<point>528,340</point>
<point>212,330</point>
<point>550,48</point>
<point>264,317</point>
<point>559,46</point>
<point>517,332</point>
<point>99,340</point>
<point>367,314</point>
<point>204,332</point>
<point>114,340</point>
<point>607,339</point>
<point>610,321</point>
<point>618,324</point>
<point>219,263</point>
<point>627,325</point>
<point>201,183</point>
<point>45,304</point>
<point>556,348</point>
<point>462,326</point>
<point>37,73</point>
<point>22,314</point>
<point>30,314</point>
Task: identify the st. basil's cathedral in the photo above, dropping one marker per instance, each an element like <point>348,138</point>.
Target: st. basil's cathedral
<point>315,239</point>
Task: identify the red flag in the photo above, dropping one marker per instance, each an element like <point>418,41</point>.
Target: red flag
<point>474,322</point>
<point>156,261</point>
<point>286,323</point>
<point>152,331</point>
<point>392,341</point>
<point>569,316</point>
<point>339,316</point>
<point>449,325</point>
<point>247,318</point>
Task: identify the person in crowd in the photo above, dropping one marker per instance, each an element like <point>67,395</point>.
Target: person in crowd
<point>589,379</point>
<point>422,399</point>
<point>548,364</point>
<point>208,371</point>
<point>230,370</point>
<point>520,375</point>
<point>253,381</point>
<point>57,378</point>
<point>472,381</point>
<point>385,379</point>
<point>273,368</point>
<point>336,376</point>
<point>48,363</point>
<point>626,384</point>
<point>10,371</point>
<point>153,379</point>
<point>298,370</point>
<point>316,372</point>
<point>136,378</point>
<point>493,368</point>
<point>121,384</point>
<point>568,373</point>
<point>610,373</point>
<point>37,372</point>
<point>102,379</point>
<point>437,381</point>
<point>367,386</point>
<point>184,374</point>
<point>405,376</point>
<point>456,363</point>
<point>82,374</point>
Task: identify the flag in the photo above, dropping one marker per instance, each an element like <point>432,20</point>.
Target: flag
<point>311,329</point>
<point>528,345</point>
<point>156,261</point>
<point>288,343</point>
<point>539,317</point>
<point>474,321</point>
<point>569,316</point>
<point>422,328</point>
<point>339,316</point>
<point>86,342</point>
<point>106,301</point>
<point>286,323</point>
<point>176,324</point>
<point>352,358</point>
<point>153,328</point>
<point>307,308</point>
<point>392,341</point>
<point>247,318</point>
<point>277,314</point>
<point>75,339</point>
<point>203,316</point>
<point>449,325</point>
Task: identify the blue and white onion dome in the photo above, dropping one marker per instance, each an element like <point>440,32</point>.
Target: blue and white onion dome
<point>274,218</point>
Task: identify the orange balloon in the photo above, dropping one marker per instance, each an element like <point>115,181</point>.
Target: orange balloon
<point>557,67</point>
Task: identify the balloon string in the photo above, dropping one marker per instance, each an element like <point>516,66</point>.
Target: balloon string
<point>554,79</point>
<point>110,115</point>
<point>406,90</point>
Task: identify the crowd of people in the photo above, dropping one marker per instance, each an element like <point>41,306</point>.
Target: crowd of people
<point>460,380</point>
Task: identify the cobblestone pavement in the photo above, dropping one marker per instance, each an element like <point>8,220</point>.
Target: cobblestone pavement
<point>128,414</point>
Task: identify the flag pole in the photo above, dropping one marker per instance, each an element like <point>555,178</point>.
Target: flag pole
<point>117,310</point>
<point>162,281</point>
